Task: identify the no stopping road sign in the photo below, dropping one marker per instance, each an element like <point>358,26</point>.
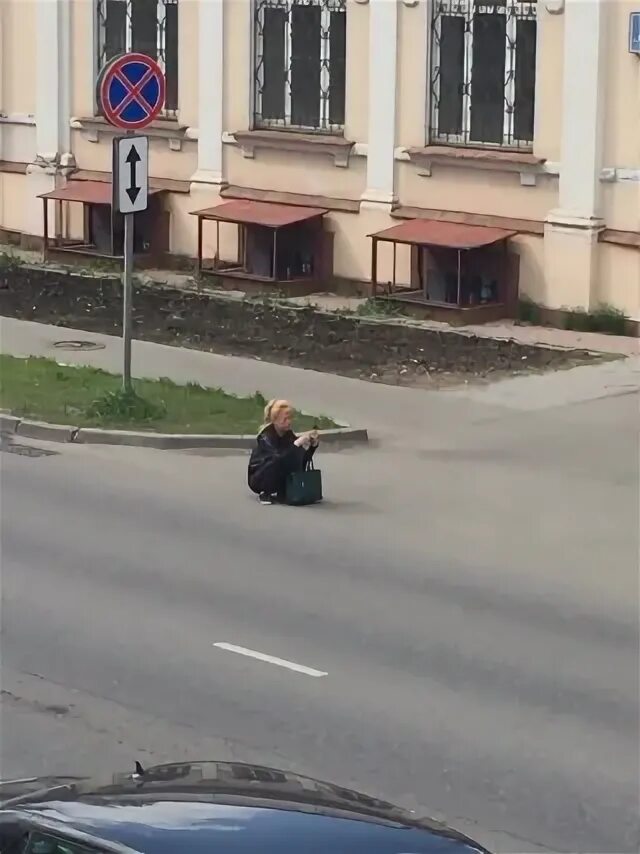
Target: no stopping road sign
<point>131,91</point>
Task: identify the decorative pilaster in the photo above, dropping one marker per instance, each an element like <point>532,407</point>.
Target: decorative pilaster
<point>53,39</point>
<point>583,108</point>
<point>571,232</point>
<point>53,100</point>
<point>383,66</point>
<point>210,94</point>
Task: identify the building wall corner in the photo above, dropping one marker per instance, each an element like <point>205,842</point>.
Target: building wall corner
<point>571,262</point>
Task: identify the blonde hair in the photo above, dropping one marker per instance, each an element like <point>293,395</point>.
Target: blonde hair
<point>272,410</point>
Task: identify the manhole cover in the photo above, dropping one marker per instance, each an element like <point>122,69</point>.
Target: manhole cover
<point>78,345</point>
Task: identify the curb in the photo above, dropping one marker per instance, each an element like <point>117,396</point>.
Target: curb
<point>46,432</point>
<point>161,441</point>
<point>8,423</point>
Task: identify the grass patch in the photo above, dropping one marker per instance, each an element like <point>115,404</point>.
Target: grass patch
<point>605,318</point>
<point>9,263</point>
<point>529,311</point>
<point>373,307</point>
<point>125,406</point>
<point>86,397</point>
<point>102,265</point>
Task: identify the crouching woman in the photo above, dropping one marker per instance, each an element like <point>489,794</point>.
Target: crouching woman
<point>278,452</point>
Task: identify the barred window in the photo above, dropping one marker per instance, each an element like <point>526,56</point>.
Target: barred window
<point>299,64</point>
<point>146,26</point>
<point>483,68</point>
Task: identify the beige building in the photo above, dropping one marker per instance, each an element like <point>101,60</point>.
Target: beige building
<point>460,124</point>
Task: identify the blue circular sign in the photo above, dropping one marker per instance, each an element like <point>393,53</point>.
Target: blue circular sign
<point>131,91</point>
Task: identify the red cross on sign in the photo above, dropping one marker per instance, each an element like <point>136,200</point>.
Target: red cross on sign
<point>131,91</point>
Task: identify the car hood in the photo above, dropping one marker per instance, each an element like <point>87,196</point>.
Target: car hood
<point>244,803</point>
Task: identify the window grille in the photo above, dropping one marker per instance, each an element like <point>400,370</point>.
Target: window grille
<point>299,64</point>
<point>483,63</point>
<point>146,26</point>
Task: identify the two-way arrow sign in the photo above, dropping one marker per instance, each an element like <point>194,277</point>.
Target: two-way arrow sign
<point>133,158</point>
<point>130,174</point>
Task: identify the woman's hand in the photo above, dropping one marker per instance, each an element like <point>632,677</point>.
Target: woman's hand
<point>303,441</point>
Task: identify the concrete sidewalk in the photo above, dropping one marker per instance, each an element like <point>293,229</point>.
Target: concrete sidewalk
<point>348,401</point>
<point>385,410</point>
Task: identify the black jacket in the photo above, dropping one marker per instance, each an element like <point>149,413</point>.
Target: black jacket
<point>273,458</point>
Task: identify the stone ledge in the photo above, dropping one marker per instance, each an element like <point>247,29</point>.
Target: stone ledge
<point>13,167</point>
<point>161,441</point>
<point>525,163</point>
<point>183,441</point>
<point>234,192</point>
<point>522,226</point>
<point>620,238</point>
<point>170,129</point>
<point>171,185</point>
<point>46,432</point>
<point>303,143</point>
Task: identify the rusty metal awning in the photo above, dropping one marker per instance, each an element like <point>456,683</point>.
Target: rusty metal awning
<point>449,235</point>
<point>88,192</point>
<point>269,214</point>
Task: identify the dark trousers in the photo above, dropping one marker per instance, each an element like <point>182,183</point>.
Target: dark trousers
<point>272,477</point>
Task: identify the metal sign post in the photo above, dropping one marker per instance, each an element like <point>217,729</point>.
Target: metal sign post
<point>131,91</point>
<point>130,196</point>
<point>127,302</point>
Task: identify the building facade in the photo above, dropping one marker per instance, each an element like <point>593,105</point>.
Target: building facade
<point>521,115</point>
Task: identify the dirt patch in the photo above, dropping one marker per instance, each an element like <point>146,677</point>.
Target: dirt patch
<point>302,336</point>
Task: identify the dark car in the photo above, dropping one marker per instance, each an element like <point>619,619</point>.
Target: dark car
<point>211,808</point>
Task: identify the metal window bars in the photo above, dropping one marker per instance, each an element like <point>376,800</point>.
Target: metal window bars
<point>299,64</point>
<point>148,26</point>
<point>482,76</point>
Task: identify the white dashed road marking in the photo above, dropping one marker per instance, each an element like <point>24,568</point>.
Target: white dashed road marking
<point>270,659</point>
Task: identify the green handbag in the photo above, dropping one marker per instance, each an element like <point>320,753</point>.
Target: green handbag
<point>304,487</point>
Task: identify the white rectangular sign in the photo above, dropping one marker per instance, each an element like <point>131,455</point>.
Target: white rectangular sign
<point>130,174</point>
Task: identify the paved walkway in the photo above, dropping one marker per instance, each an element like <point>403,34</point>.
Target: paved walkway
<point>349,401</point>
<point>385,410</point>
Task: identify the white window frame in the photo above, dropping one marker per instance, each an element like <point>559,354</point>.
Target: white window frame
<point>463,9</point>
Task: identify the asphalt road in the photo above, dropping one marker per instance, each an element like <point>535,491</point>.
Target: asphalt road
<point>473,604</point>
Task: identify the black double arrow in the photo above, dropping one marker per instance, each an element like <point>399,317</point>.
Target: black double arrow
<point>133,158</point>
